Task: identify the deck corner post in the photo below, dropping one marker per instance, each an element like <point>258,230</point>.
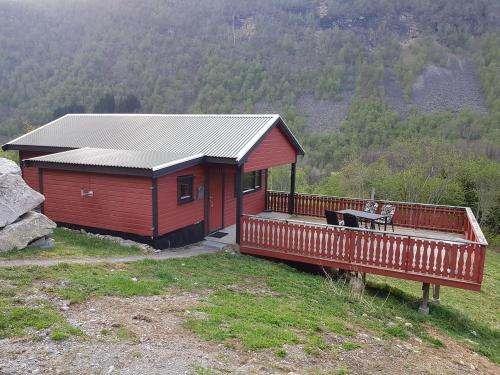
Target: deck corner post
<point>291,197</point>
<point>239,201</point>
<point>424,306</point>
<point>435,294</point>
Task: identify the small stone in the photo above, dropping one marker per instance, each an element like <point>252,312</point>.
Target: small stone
<point>64,308</point>
<point>474,333</point>
<point>364,315</point>
<point>398,318</point>
<point>134,279</point>
<point>408,324</point>
<point>391,324</point>
<point>142,317</point>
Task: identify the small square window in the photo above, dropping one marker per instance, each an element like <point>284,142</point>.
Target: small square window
<point>185,189</point>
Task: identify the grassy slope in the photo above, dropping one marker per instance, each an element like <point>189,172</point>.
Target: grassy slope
<point>256,303</point>
<point>71,244</point>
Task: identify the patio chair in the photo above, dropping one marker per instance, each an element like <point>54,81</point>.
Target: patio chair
<point>389,210</point>
<point>371,207</point>
<point>332,218</point>
<point>350,221</point>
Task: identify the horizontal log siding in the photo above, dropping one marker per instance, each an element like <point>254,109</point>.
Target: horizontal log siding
<point>455,264</point>
<point>274,150</point>
<point>413,215</point>
<point>120,203</point>
<point>30,174</point>
<point>253,203</point>
<point>171,214</point>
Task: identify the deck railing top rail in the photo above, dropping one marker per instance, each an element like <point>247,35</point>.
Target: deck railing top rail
<point>368,199</point>
<point>364,230</point>
<point>476,229</point>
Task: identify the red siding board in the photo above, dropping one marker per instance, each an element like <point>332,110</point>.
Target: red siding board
<point>171,214</point>
<point>274,150</point>
<point>120,203</point>
<point>253,203</point>
<point>30,174</point>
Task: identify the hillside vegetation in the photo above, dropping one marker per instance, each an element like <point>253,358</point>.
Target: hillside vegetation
<point>295,57</point>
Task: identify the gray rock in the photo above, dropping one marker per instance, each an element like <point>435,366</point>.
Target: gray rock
<point>31,226</point>
<point>16,198</point>
<point>9,167</point>
<point>44,242</point>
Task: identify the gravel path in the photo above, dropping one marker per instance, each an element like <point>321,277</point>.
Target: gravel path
<point>185,252</point>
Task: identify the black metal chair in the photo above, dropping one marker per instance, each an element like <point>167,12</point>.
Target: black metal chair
<point>332,218</point>
<point>389,210</point>
<point>351,221</point>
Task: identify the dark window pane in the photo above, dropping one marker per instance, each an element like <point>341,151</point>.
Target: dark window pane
<point>252,181</point>
<point>185,189</point>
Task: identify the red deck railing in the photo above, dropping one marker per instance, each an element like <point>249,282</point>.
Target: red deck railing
<point>453,263</point>
<point>414,215</point>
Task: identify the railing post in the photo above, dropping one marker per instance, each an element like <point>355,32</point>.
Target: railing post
<point>291,198</point>
<point>239,202</point>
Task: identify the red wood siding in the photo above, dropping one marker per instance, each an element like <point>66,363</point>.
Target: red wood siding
<point>274,150</point>
<point>253,203</point>
<point>30,174</point>
<point>172,215</point>
<point>120,203</point>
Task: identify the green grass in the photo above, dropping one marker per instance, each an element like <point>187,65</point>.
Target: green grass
<point>15,321</point>
<point>472,317</point>
<point>350,346</point>
<point>254,303</point>
<point>72,244</point>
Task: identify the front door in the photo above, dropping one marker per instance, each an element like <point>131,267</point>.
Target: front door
<point>215,190</point>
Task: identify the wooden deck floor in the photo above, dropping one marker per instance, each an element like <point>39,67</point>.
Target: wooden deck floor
<point>430,234</point>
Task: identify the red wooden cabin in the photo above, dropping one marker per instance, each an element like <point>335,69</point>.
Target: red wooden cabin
<point>167,180</point>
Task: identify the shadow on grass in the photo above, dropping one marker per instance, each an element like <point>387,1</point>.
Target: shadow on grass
<point>477,336</point>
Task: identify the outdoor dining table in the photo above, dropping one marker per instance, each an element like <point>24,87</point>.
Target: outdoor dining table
<point>367,216</point>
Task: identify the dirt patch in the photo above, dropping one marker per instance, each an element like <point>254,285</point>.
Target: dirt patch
<point>146,335</point>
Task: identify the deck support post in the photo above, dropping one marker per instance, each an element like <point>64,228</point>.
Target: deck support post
<point>291,198</point>
<point>239,201</point>
<point>424,306</point>
<point>435,294</point>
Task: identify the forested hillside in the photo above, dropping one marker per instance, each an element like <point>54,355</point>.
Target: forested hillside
<point>380,92</point>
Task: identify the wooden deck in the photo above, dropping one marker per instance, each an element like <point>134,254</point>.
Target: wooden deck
<point>441,245</point>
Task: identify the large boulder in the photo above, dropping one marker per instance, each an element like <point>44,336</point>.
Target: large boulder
<point>28,228</point>
<point>16,198</point>
<point>9,167</point>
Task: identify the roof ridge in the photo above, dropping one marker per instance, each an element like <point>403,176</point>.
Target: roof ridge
<point>242,115</point>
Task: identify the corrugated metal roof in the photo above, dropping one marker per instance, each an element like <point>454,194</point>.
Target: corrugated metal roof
<point>98,157</point>
<point>222,136</point>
